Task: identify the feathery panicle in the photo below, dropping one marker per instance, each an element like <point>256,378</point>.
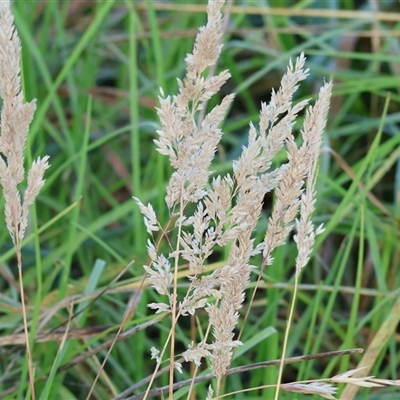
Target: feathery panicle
<point>207,47</point>
<point>322,389</point>
<point>150,218</point>
<point>292,177</point>
<point>189,145</point>
<point>257,156</point>
<point>35,184</point>
<point>16,117</point>
<point>314,125</point>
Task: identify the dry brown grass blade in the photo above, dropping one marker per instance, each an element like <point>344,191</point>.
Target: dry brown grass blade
<point>102,92</point>
<point>379,341</point>
<point>346,167</point>
<point>288,12</point>
<point>56,335</point>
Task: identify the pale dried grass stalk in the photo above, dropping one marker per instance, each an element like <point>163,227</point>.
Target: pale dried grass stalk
<point>326,389</point>
<point>16,116</point>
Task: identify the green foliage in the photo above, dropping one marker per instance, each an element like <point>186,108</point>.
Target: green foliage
<point>96,75</point>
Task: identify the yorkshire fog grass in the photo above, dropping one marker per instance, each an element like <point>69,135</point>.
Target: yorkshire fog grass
<point>220,216</point>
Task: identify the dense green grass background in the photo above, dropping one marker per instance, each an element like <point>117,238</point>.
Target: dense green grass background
<point>95,69</point>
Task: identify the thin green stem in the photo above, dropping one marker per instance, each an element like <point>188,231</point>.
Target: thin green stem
<point>25,318</point>
<point>286,338</point>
